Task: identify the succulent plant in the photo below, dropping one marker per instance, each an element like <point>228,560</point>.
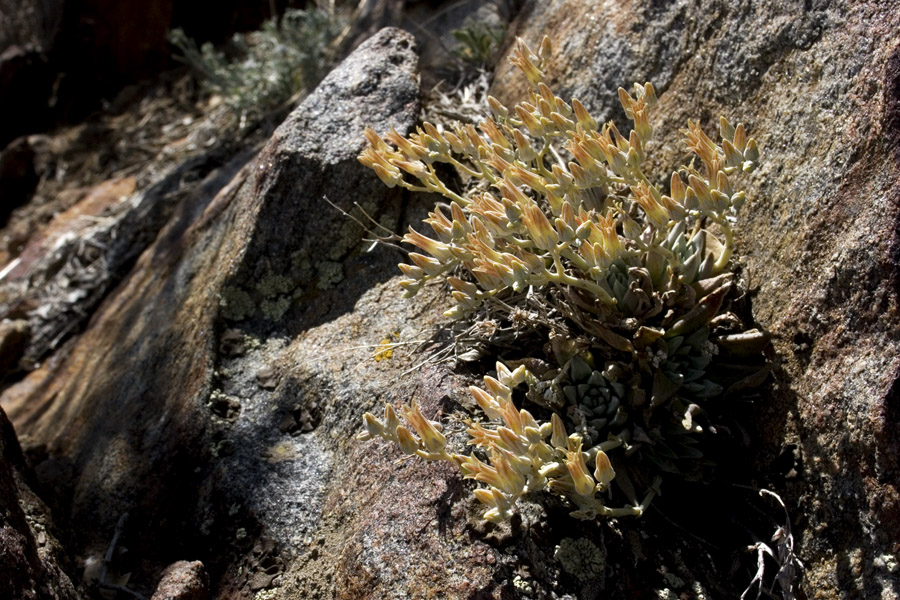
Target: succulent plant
<point>597,401</point>
<point>524,455</point>
<point>633,284</point>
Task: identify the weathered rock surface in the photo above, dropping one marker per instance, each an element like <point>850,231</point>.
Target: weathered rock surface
<point>155,423</point>
<point>31,559</point>
<point>65,270</point>
<point>217,390</point>
<point>183,581</point>
<point>818,84</point>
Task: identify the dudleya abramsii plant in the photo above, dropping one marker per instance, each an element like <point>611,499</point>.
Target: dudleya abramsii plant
<point>633,279</point>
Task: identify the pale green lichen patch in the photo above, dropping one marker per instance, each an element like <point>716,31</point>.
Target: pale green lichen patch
<point>272,285</point>
<point>301,265</point>
<point>330,273</point>
<point>274,310</point>
<point>581,558</point>
<point>271,297</point>
<point>236,304</point>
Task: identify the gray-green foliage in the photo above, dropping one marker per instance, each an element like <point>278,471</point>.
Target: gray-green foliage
<point>478,41</point>
<point>271,65</point>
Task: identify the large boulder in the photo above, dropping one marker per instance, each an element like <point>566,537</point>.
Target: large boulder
<point>818,84</point>
<point>157,410</point>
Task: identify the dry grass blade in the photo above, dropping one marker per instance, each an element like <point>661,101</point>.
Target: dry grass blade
<point>789,565</point>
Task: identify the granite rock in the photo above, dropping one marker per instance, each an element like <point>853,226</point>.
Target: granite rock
<point>144,414</point>
<point>32,563</point>
<point>817,85</point>
<point>183,580</point>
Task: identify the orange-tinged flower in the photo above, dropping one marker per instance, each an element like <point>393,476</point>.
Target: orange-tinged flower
<point>546,49</point>
<point>539,227</point>
<point>471,135</point>
<point>388,177</point>
<point>412,271</point>
<point>584,484</point>
<point>528,420</point>
<point>486,401</point>
<point>584,118</point>
<point>523,58</point>
<point>439,222</point>
<point>374,427</point>
<point>559,438</point>
<point>490,129</point>
<point>621,143</point>
<point>439,250</point>
<point>374,139</point>
<point>567,214</point>
<point>740,138</point>
<point>491,209</point>
<point>498,108</point>
<point>751,153</point>
<point>656,212</point>
<point>470,466</point>
<point>530,121</point>
<point>603,472</point>
<point>429,431</point>
<point>637,147</point>
<point>723,185</point>
<point>496,388</point>
<point>431,266</point>
<point>627,102</point>
<point>675,210</point>
<point>597,145</point>
<point>466,287</point>
<point>391,422</point>
<point>456,143</point>
<point>612,245</point>
<point>406,146</point>
<point>482,437</point>
<point>701,190</point>
<point>407,441</point>
<point>513,193</point>
<point>676,188</point>
<point>510,415</point>
<point>487,275</point>
<point>511,441</point>
<point>642,125</point>
<point>700,143</point>
<point>486,496</point>
<point>506,478</point>
<point>416,168</point>
<point>498,163</point>
<point>733,158</point>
